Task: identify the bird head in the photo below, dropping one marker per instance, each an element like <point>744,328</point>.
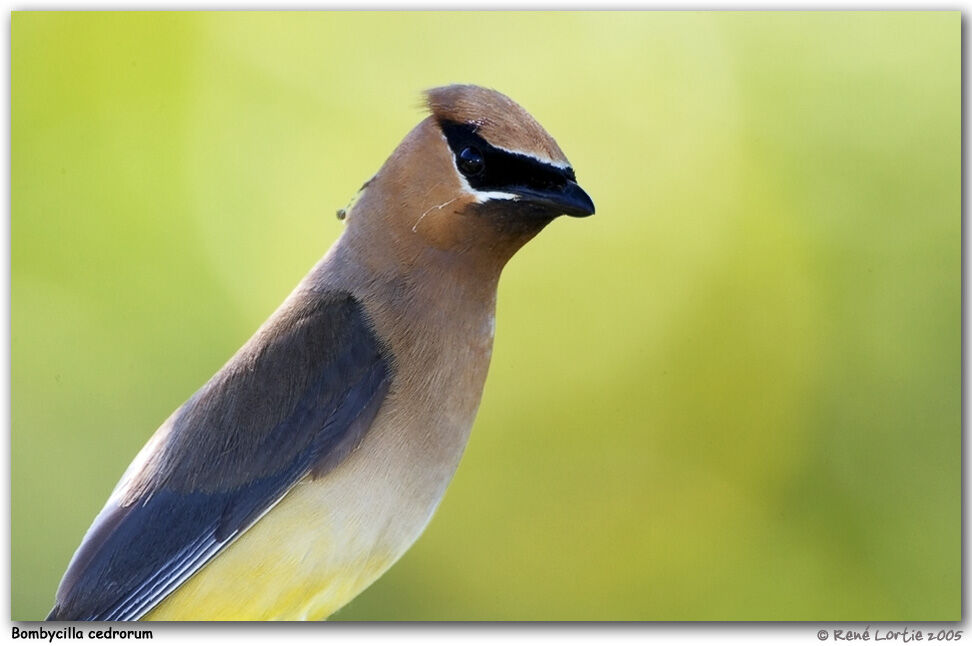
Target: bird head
<point>478,178</point>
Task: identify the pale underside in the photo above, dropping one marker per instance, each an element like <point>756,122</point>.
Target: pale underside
<point>280,570</point>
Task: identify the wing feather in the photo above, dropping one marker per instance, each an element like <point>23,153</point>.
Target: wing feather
<point>299,395</point>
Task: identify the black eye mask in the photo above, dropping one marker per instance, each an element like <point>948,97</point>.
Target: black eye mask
<point>488,168</point>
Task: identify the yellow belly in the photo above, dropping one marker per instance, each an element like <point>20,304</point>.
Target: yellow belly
<point>288,566</point>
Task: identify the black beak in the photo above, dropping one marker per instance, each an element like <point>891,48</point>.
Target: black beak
<point>569,200</point>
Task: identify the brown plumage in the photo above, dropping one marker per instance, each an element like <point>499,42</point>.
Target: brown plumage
<point>311,461</point>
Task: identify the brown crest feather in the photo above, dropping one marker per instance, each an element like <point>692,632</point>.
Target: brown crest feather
<point>498,119</point>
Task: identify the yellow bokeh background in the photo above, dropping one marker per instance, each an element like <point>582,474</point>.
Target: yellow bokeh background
<point>732,394</point>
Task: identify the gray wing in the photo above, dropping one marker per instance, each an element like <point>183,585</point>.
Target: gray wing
<point>298,397</point>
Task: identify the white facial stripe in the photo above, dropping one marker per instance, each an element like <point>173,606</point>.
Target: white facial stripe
<point>482,196</point>
<point>542,160</point>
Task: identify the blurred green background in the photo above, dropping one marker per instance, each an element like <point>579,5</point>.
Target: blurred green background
<point>734,393</point>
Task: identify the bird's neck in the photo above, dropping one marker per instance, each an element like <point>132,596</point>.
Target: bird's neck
<point>427,293</point>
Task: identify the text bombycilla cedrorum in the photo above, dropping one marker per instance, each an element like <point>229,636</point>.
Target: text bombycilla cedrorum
<point>316,456</point>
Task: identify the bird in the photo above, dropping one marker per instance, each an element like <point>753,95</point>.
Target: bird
<point>316,456</point>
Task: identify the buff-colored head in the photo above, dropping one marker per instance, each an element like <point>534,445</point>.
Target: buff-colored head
<point>478,177</point>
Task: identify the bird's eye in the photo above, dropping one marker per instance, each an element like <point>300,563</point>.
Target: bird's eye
<point>471,161</point>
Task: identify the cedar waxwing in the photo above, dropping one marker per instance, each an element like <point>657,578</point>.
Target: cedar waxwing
<point>316,456</point>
